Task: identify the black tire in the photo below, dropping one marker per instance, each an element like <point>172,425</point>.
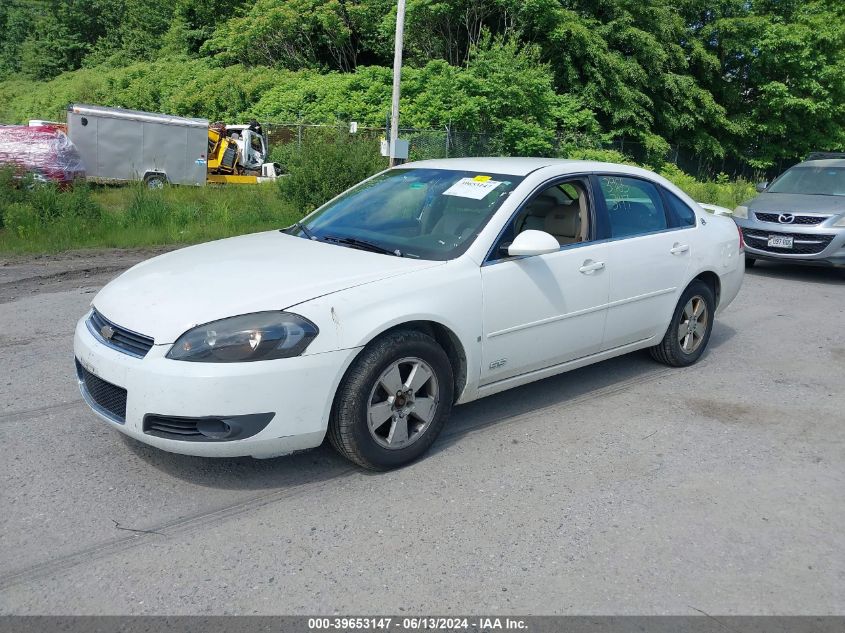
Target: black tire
<point>669,351</point>
<point>749,262</point>
<point>155,181</point>
<point>349,431</point>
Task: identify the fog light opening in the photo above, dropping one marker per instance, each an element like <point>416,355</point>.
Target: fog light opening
<point>215,429</point>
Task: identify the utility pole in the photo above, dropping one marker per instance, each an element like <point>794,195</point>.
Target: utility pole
<point>397,79</point>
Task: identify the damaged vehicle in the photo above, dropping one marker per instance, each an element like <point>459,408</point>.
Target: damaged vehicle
<point>45,151</point>
<point>426,286</point>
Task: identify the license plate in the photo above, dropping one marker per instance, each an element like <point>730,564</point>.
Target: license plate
<point>780,241</point>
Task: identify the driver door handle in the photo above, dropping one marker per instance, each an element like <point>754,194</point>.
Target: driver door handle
<point>677,249</point>
<point>590,266</point>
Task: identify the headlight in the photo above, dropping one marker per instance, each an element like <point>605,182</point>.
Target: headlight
<point>258,336</point>
<point>840,221</point>
<point>741,212</point>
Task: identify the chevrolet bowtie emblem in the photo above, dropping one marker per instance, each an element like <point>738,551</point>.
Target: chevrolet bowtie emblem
<point>107,331</point>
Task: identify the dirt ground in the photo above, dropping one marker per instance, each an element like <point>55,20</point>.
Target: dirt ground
<point>35,274</point>
<point>625,487</point>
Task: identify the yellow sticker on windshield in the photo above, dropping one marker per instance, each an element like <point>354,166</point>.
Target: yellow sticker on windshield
<point>481,178</point>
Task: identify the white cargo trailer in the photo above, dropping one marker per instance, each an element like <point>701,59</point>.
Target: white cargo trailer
<point>120,145</point>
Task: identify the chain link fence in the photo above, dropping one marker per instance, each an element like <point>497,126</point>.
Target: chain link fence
<point>450,143</point>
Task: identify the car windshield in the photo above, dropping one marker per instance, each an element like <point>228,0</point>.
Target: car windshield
<point>421,213</point>
<point>821,181</point>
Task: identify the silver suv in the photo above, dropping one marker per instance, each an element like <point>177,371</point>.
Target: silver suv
<point>800,216</point>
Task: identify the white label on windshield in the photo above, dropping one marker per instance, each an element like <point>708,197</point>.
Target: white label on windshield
<point>472,188</point>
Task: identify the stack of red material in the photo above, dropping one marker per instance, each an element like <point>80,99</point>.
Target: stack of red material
<point>45,151</point>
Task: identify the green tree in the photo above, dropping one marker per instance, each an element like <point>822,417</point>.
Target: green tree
<point>199,19</point>
<point>61,34</point>
<point>300,33</point>
<point>781,75</point>
<point>438,29</point>
<point>630,61</point>
<point>749,80</point>
<point>15,18</point>
<point>132,30</point>
<point>506,89</point>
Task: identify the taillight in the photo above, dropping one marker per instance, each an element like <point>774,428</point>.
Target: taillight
<point>741,239</point>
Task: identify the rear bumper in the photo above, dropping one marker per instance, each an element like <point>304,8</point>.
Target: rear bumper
<point>730,280</point>
<point>298,391</point>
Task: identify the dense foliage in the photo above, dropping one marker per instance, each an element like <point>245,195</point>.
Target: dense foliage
<point>752,80</point>
<point>41,218</point>
<point>324,165</point>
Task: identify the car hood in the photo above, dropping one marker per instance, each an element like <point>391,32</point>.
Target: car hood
<point>165,296</point>
<point>797,202</point>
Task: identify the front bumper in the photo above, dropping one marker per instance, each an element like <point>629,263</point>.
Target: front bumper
<point>298,391</point>
<point>820,245</point>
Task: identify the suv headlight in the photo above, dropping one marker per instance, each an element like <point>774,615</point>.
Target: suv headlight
<point>741,212</point>
<point>840,221</point>
<point>250,337</point>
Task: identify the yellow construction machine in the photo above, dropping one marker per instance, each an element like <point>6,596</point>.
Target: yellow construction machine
<point>236,155</point>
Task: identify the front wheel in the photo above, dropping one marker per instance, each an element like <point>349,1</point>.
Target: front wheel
<point>749,262</point>
<point>393,401</point>
<point>689,331</point>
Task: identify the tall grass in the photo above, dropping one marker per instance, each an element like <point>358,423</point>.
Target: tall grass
<point>722,190</point>
<point>43,219</point>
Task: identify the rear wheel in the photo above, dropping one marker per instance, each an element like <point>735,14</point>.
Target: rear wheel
<point>689,331</point>
<point>393,401</point>
<point>155,181</point>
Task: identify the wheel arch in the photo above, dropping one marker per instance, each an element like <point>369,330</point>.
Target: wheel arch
<point>155,174</point>
<point>713,282</point>
<point>446,338</point>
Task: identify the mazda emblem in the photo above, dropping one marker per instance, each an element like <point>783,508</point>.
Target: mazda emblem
<point>107,331</point>
<point>786,218</point>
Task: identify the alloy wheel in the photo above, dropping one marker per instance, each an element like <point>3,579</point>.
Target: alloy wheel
<point>402,403</point>
<point>693,325</point>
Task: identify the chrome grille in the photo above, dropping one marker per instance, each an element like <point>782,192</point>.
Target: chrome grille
<point>102,396</point>
<point>805,220</point>
<point>803,243</point>
<point>121,339</point>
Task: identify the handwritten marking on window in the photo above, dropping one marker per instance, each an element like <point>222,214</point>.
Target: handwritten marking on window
<point>617,192</point>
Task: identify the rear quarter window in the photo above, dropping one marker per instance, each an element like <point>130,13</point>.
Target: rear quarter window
<point>681,213</point>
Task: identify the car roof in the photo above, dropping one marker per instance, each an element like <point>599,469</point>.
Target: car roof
<point>522,166</point>
<point>825,162</point>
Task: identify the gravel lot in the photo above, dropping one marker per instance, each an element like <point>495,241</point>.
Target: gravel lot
<point>621,488</point>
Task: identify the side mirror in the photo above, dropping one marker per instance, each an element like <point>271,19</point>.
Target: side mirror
<point>532,242</point>
<point>762,186</point>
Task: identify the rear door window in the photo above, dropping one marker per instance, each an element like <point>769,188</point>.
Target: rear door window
<point>633,206</point>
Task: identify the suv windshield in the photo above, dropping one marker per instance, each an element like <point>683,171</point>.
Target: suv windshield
<point>822,181</point>
<point>421,213</point>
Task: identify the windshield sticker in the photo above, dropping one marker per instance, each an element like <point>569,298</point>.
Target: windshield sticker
<point>417,185</point>
<point>472,188</point>
<point>482,178</point>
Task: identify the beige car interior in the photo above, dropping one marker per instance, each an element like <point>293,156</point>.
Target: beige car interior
<point>460,217</point>
<point>560,210</point>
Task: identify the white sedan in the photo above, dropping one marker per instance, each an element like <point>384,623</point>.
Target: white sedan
<point>426,286</point>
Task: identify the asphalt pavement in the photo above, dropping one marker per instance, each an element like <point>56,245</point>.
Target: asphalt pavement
<point>621,488</point>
